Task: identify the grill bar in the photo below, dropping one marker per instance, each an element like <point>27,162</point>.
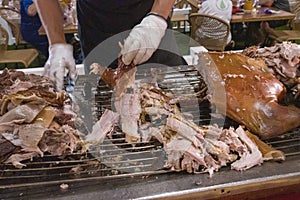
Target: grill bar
<point>80,179</point>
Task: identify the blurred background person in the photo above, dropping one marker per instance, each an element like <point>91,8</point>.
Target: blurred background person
<point>218,8</point>
<point>256,31</point>
<point>30,24</point>
<point>281,5</point>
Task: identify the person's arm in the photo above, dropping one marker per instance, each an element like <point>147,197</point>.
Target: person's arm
<point>29,7</point>
<point>31,10</point>
<point>163,7</point>
<point>267,3</point>
<point>52,19</point>
<point>61,60</point>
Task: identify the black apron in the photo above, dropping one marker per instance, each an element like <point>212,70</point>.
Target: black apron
<point>104,23</point>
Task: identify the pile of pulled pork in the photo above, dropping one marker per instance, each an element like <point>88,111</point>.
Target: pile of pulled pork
<point>283,60</point>
<point>34,119</point>
<point>143,111</point>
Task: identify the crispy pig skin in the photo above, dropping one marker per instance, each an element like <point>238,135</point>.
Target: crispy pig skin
<point>253,95</point>
<point>268,152</point>
<point>111,76</point>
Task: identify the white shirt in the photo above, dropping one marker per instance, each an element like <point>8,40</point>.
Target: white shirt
<point>218,8</point>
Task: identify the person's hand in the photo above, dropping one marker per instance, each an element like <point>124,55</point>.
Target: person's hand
<point>60,62</point>
<point>143,40</point>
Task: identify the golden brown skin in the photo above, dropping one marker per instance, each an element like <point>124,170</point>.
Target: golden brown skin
<point>110,76</point>
<point>252,95</point>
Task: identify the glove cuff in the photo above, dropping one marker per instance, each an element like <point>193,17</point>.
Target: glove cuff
<point>158,15</point>
<point>60,46</point>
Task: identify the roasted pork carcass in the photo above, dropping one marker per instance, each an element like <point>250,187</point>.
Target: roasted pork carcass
<point>253,94</point>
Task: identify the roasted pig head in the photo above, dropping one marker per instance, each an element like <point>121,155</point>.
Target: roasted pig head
<point>253,94</point>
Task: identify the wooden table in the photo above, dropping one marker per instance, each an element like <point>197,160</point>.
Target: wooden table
<point>71,28</point>
<point>261,16</point>
<point>244,17</point>
<point>179,17</point>
<point>181,21</point>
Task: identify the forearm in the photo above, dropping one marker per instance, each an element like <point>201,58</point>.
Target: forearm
<point>163,7</point>
<point>31,11</point>
<point>52,20</point>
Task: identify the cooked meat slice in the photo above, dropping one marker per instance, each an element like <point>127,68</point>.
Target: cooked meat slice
<point>30,136</point>
<point>34,95</point>
<point>8,78</point>
<point>220,151</point>
<point>268,152</point>
<point>60,140</point>
<point>21,114</point>
<point>12,82</point>
<point>16,159</point>
<point>177,148</point>
<point>20,86</point>
<point>149,132</point>
<point>251,157</point>
<point>186,129</point>
<point>102,127</point>
<point>74,140</point>
<point>195,145</point>
<point>45,117</point>
<point>124,81</point>
<point>230,137</point>
<point>126,96</point>
<point>41,81</point>
<point>55,99</point>
<point>129,108</point>
<point>6,149</point>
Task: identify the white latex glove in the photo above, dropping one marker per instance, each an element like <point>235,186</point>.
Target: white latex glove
<point>143,40</point>
<point>59,63</point>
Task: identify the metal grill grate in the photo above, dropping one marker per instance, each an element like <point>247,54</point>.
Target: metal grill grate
<point>120,158</point>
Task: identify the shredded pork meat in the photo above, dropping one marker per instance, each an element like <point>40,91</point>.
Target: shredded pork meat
<point>33,119</point>
<point>283,60</point>
<point>149,113</point>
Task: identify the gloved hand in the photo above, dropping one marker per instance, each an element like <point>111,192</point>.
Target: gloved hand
<point>143,40</point>
<point>60,59</point>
